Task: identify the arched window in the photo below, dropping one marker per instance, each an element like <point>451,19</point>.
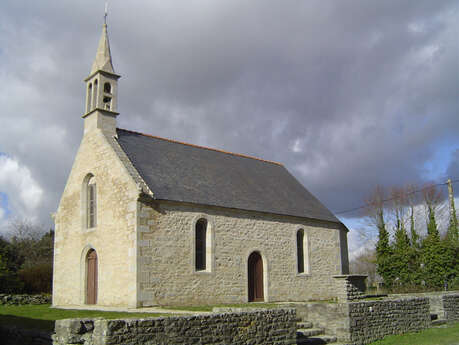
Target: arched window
<point>95,97</point>
<point>300,250</point>
<point>88,98</point>
<point>91,203</point>
<point>107,88</point>
<point>200,245</point>
<point>302,253</point>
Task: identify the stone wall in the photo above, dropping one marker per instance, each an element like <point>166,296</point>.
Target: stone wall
<point>7,299</point>
<point>366,321</point>
<point>166,255</point>
<point>436,300</point>
<point>451,306</point>
<point>332,317</point>
<point>275,326</point>
<point>370,321</point>
<point>350,287</point>
<point>114,236</point>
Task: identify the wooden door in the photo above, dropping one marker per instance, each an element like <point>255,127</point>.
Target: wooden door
<point>91,278</point>
<point>255,272</point>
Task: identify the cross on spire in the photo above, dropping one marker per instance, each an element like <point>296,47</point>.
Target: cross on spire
<point>106,12</point>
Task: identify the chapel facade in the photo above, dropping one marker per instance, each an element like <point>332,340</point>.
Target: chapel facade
<point>147,221</point>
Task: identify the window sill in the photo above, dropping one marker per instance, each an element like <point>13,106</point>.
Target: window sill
<point>303,275</point>
<point>204,272</point>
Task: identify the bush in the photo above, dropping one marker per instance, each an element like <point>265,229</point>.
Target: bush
<point>37,279</point>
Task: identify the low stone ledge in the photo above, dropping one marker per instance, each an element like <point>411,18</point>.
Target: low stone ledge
<point>9,299</point>
<point>267,326</point>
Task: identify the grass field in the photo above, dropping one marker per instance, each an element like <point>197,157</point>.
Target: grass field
<point>43,317</point>
<point>448,335</point>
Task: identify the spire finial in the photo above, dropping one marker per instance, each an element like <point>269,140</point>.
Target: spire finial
<point>106,12</point>
<point>103,61</point>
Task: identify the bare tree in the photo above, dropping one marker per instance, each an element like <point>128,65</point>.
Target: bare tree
<point>365,263</point>
<point>432,200</point>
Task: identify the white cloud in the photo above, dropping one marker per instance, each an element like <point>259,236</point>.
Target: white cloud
<point>23,192</point>
<point>296,146</point>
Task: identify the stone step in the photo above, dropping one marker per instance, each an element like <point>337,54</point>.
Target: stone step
<point>304,324</point>
<point>317,340</point>
<point>439,322</point>
<point>309,332</point>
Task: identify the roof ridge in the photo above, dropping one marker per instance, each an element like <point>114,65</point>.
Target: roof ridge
<point>202,147</point>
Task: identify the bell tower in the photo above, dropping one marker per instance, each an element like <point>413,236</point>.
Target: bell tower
<point>102,90</point>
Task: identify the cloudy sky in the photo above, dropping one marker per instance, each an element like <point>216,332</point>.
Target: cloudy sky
<point>346,94</point>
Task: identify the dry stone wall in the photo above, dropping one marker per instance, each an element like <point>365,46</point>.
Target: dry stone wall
<point>24,299</point>
<point>370,321</point>
<point>451,306</point>
<point>363,322</point>
<point>275,326</point>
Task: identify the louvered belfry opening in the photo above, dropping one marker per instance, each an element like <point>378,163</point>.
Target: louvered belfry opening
<point>91,278</point>
<point>201,234</point>
<point>255,275</point>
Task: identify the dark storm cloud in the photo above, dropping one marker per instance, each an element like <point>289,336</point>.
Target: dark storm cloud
<point>346,94</point>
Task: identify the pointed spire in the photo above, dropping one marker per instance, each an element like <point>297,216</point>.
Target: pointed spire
<point>103,60</point>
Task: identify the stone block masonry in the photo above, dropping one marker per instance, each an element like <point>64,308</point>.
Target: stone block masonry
<point>363,322</point>
<point>370,321</point>
<point>451,306</point>
<point>273,326</point>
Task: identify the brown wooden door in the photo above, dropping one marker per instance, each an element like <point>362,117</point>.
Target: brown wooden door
<point>255,271</point>
<point>91,279</point>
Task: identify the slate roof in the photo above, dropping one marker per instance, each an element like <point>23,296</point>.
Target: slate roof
<point>188,173</point>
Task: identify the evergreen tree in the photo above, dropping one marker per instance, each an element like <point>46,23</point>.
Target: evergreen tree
<point>384,252</point>
<point>435,254</point>
<point>414,240</point>
<point>414,252</point>
<point>451,241</point>
<point>432,229</point>
<point>9,282</point>
<point>401,255</point>
<point>453,228</point>
<point>384,258</point>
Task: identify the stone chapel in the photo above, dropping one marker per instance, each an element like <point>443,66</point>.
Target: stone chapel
<point>146,221</point>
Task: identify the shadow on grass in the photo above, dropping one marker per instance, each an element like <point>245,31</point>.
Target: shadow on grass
<point>27,323</point>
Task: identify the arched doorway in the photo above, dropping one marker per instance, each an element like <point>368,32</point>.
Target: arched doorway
<point>91,277</point>
<point>255,273</point>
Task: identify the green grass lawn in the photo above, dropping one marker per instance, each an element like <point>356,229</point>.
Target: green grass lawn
<point>448,335</point>
<point>43,317</point>
<point>210,307</point>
